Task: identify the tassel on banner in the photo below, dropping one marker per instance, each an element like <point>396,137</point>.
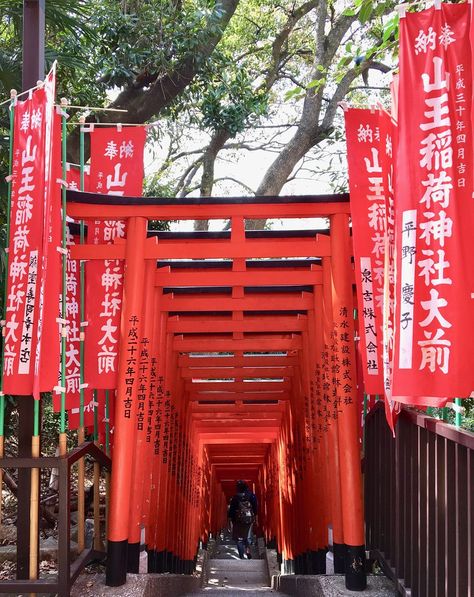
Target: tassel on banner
<point>401,9</point>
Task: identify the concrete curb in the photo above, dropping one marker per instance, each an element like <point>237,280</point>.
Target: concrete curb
<point>137,585</point>
<point>330,586</point>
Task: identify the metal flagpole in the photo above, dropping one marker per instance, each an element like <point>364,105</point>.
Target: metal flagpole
<point>97,540</point>
<point>62,434</point>
<point>81,431</point>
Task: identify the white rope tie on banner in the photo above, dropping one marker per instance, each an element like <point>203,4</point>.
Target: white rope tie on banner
<point>456,407</point>
<point>401,9</point>
<point>344,105</point>
<point>62,182</point>
<point>2,323</point>
<point>83,386</point>
<point>119,127</point>
<point>9,178</point>
<point>86,128</point>
<point>7,249</point>
<point>59,390</point>
<point>82,335</point>
<point>64,323</point>
<point>69,165</point>
<point>437,4</point>
<point>62,250</point>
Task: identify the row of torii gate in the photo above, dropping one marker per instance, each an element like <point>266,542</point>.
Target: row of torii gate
<point>253,334</point>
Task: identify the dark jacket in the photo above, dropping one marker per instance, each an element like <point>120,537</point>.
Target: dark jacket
<point>238,497</point>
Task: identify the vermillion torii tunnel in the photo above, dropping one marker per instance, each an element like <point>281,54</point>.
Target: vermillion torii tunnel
<point>252,376</point>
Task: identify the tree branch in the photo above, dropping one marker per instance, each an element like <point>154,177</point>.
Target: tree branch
<point>144,104</point>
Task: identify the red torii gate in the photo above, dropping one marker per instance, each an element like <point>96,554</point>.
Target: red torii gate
<point>306,470</point>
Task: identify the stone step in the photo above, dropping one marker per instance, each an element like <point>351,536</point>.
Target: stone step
<point>230,592</point>
<point>238,563</point>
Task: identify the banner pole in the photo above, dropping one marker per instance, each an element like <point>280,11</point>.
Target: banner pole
<point>81,430</point>
<point>458,412</point>
<point>97,541</point>
<point>62,435</point>
<point>13,95</point>
<point>34,495</point>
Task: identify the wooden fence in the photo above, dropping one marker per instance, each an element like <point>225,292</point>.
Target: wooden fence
<point>419,503</point>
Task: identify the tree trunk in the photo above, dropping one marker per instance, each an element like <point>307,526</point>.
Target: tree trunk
<point>218,140</point>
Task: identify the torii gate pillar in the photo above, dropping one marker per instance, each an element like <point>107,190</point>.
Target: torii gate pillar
<point>348,424</point>
<point>126,402</point>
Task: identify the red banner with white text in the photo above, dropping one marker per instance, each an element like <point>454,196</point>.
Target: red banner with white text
<point>73,317</point>
<point>116,168</point>
<point>48,349</point>
<point>388,145</point>
<point>434,315</point>
<point>27,214</point>
<point>368,196</point>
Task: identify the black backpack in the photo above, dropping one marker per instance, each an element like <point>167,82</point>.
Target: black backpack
<point>244,514</point>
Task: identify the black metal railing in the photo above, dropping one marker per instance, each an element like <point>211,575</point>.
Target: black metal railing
<point>419,503</point>
<point>68,570</point>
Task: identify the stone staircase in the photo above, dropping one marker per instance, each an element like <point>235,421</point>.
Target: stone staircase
<point>227,575</point>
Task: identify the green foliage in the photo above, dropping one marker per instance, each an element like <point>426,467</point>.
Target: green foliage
<point>226,97</point>
<point>467,421</point>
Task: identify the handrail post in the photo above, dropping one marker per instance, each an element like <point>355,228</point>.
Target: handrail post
<point>64,530</point>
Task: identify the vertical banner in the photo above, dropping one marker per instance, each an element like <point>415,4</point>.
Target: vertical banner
<point>117,160</point>
<point>388,143</point>
<point>48,348</point>
<point>434,315</point>
<point>368,197</point>
<point>116,168</point>
<point>28,190</point>
<point>73,316</point>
